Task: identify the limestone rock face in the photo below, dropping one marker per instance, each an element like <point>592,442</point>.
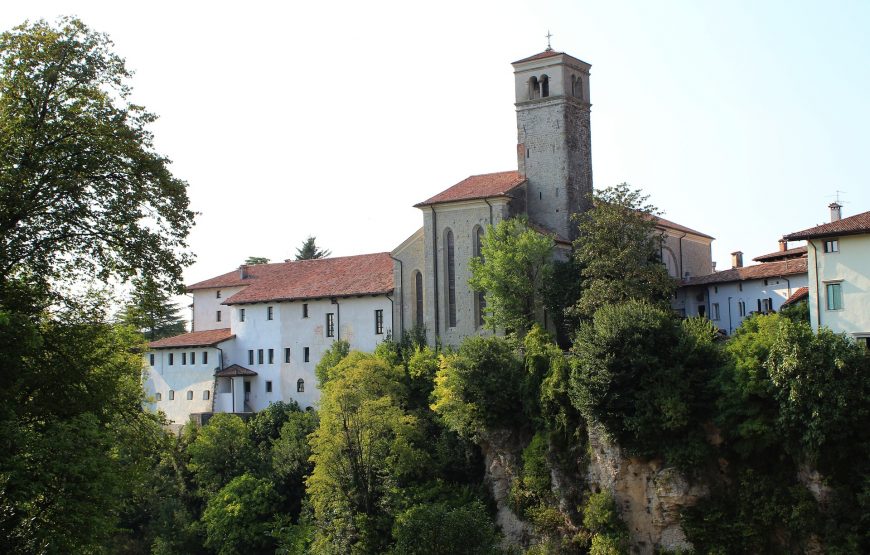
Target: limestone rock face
<point>502,451</point>
<point>648,495</point>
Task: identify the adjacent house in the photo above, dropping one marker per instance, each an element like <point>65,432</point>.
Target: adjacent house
<point>838,263</point>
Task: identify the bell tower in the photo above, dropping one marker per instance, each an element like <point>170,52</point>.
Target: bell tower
<point>554,139</point>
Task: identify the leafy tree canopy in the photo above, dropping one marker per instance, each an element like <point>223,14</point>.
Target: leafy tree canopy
<point>310,251</point>
<point>82,191</point>
<point>254,260</point>
<point>618,249</point>
<point>514,264</point>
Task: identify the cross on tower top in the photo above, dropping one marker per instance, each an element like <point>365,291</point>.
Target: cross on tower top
<point>549,48</point>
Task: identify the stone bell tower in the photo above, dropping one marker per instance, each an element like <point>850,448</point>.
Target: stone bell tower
<point>554,140</point>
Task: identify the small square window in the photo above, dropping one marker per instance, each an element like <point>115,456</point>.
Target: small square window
<point>158,396</point>
<point>287,354</point>
<point>205,357</point>
<point>832,246</point>
<point>306,354</point>
<point>305,310</point>
<point>268,386</point>
<point>218,316</point>
<point>259,356</point>
<point>171,359</point>
<point>241,315</point>
<point>171,395</point>
<point>269,313</point>
<point>250,356</point>
<point>205,394</point>
<point>151,359</point>
<point>190,395</point>
<point>330,324</point>
<point>271,356</point>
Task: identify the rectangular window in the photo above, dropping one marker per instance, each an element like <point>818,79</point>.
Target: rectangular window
<point>171,395</point>
<point>330,324</point>
<point>218,294</point>
<point>832,246</point>
<point>159,396</point>
<point>740,286</point>
<point>714,311</point>
<point>205,357</point>
<point>287,354</point>
<point>268,313</point>
<point>193,357</point>
<point>171,359</point>
<point>241,315</point>
<point>271,356</point>
<point>268,386</point>
<point>741,308</point>
<point>306,354</point>
<point>834,294</point>
<point>250,356</point>
<point>151,359</point>
<point>765,305</point>
<point>305,310</point>
<point>183,359</point>
<point>379,321</point>
<point>190,395</point>
<point>205,394</point>
<point>218,316</point>
<point>715,289</point>
<point>259,356</point>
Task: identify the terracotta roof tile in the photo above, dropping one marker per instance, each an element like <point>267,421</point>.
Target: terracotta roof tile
<point>853,225</point>
<point>799,294</point>
<point>540,56</point>
<point>345,276</point>
<point>758,271</point>
<point>796,252</point>
<point>675,226</point>
<point>205,338</point>
<point>234,370</point>
<point>478,187</point>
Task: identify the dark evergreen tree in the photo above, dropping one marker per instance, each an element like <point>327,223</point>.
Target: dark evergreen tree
<point>151,311</point>
<point>310,251</point>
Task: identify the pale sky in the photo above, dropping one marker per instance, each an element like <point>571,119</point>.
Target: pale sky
<point>740,119</point>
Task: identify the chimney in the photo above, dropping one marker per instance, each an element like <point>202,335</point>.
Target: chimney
<point>736,259</point>
<point>243,272</point>
<point>783,245</point>
<point>835,211</point>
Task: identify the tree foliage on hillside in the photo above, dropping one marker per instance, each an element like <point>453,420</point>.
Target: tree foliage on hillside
<point>514,265</point>
<point>619,251</point>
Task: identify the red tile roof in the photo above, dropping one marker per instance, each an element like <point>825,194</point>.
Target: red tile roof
<point>205,338</point>
<point>796,252</point>
<point>853,225</point>
<point>799,294</point>
<point>234,370</point>
<point>478,187</point>
<point>540,56</point>
<point>758,271</point>
<point>344,276</point>
<point>661,222</point>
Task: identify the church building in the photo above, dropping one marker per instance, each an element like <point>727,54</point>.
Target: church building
<point>259,331</point>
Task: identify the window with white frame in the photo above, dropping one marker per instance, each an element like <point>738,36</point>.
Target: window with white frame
<point>330,324</point>
<point>832,245</point>
<point>379,321</point>
<point>714,311</point>
<point>834,296</point>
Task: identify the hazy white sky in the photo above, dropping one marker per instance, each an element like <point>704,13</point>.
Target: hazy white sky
<point>740,119</point>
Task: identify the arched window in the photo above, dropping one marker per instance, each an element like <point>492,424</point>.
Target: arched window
<point>300,386</point>
<point>534,88</point>
<point>480,299</point>
<point>189,395</point>
<point>545,86</point>
<point>450,274</point>
<point>418,296</point>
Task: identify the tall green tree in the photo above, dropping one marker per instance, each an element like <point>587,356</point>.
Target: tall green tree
<point>514,264</point>
<point>618,249</point>
<point>151,311</point>
<point>82,191</point>
<point>310,251</point>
